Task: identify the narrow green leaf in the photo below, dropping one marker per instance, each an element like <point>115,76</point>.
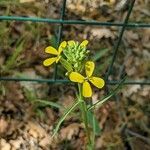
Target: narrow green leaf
<point>48,103</point>
<point>53,41</point>
<point>10,63</point>
<point>6,2</point>
<point>115,91</point>
<point>94,123</point>
<point>100,54</point>
<point>69,110</point>
<point>29,94</point>
<point>103,66</point>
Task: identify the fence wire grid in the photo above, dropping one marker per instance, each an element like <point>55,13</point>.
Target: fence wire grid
<point>122,25</point>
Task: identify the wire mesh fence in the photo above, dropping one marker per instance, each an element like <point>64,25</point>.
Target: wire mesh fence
<point>61,22</point>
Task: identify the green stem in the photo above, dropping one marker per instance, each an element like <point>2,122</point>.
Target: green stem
<point>94,130</point>
<point>83,109</point>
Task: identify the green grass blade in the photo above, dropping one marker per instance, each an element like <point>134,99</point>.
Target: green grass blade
<point>53,41</point>
<point>115,91</point>
<point>94,123</point>
<point>69,110</point>
<point>10,63</point>
<point>48,103</point>
<point>100,54</point>
<point>6,2</point>
<point>29,94</point>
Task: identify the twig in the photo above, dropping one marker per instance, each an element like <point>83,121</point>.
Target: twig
<point>138,136</point>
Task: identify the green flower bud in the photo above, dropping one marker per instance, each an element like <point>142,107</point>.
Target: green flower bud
<point>76,53</point>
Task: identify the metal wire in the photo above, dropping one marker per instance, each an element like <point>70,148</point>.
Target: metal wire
<point>77,22</point>
<point>60,32</point>
<point>119,40</point>
<point>62,22</point>
<point>146,82</point>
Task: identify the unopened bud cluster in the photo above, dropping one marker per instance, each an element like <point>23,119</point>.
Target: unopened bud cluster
<point>76,54</point>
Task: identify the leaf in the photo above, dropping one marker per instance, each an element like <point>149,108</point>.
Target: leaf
<point>53,41</point>
<point>45,103</point>
<point>67,112</point>
<point>6,2</point>
<point>94,123</point>
<point>100,54</point>
<point>30,95</point>
<point>103,66</point>
<point>10,63</point>
<point>102,33</point>
<point>115,91</point>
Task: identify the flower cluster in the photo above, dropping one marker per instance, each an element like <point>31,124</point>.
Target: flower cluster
<point>75,61</point>
<point>76,53</point>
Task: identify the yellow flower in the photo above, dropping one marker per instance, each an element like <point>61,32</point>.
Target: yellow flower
<point>86,88</point>
<point>52,50</point>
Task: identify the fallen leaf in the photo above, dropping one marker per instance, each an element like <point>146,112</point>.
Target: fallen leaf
<point>36,130</point>
<point>70,131</point>
<point>3,125</point>
<point>4,145</point>
<point>102,33</point>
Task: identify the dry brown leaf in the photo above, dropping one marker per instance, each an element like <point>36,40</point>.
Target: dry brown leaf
<point>70,131</point>
<point>45,142</point>
<point>131,37</point>
<point>16,144</point>
<point>50,115</point>
<point>41,70</point>
<point>109,138</point>
<point>146,38</point>
<point>102,33</point>
<point>14,92</point>
<point>36,130</point>
<point>4,145</point>
<point>132,89</point>
<point>3,126</point>
<point>108,2</point>
<point>145,92</point>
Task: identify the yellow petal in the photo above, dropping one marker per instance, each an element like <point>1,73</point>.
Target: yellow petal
<point>49,61</point>
<point>89,68</point>
<point>84,43</point>
<point>62,46</point>
<point>71,42</point>
<point>58,58</point>
<point>98,82</point>
<point>86,89</point>
<point>76,77</point>
<point>51,50</point>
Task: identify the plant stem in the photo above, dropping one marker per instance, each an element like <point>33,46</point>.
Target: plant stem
<point>83,109</point>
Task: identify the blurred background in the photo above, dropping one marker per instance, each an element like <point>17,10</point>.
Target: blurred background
<point>27,123</point>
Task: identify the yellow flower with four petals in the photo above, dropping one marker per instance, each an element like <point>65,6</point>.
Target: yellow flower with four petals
<point>86,87</point>
<point>53,51</point>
